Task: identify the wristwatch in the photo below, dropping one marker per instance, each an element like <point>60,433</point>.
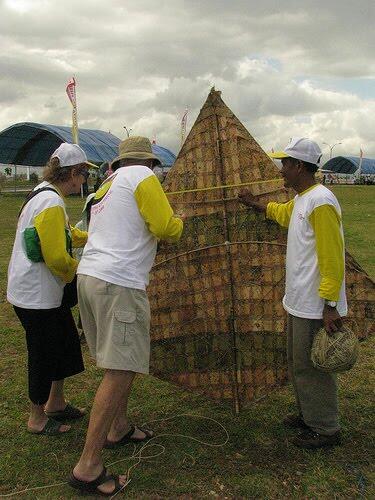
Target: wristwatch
<point>330,303</point>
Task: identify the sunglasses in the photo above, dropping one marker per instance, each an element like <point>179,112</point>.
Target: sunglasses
<point>85,173</point>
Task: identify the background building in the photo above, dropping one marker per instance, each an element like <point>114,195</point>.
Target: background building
<point>26,147</point>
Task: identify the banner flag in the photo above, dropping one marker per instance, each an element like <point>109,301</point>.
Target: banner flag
<point>71,92</point>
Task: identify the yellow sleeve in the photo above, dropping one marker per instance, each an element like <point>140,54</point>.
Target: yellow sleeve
<point>156,210</point>
<point>79,237</point>
<point>326,224</point>
<point>50,226</point>
<point>280,212</point>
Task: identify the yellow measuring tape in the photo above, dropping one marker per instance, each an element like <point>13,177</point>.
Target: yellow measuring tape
<point>223,186</point>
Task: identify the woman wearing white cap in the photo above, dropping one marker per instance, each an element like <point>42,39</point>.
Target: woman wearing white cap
<point>40,266</point>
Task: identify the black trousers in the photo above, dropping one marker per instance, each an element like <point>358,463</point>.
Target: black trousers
<point>54,350</point>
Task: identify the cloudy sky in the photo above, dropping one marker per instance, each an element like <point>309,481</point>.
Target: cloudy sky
<point>285,67</point>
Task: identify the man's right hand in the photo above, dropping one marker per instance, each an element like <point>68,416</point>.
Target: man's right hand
<point>332,320</point>
<point>250,200</point>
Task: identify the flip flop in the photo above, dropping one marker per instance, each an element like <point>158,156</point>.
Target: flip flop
<point>92,486</point>
<point>129,439</point>
<point>52,428</point>
<point>68,413</point>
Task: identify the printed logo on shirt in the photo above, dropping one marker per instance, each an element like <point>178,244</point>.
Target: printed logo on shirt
<point>101,192</point>
<point>300,216</point>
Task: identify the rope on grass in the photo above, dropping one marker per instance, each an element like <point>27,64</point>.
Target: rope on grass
<point>138,454</point>
<point>8,495</point>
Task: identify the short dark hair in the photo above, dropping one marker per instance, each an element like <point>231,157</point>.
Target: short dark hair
<point>131,161</point>
<point>312,168</point>
<point>54,173</point>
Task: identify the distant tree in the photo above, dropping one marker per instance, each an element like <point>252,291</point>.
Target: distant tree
<point>8,171</point>
<point>34,177</point>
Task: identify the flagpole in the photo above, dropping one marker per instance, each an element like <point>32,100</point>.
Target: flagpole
<point>360,163</point>
<point>183,126</point>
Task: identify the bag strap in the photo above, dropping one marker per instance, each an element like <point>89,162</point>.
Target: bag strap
<point>31,195</point>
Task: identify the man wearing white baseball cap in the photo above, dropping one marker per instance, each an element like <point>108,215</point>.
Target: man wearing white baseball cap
<point>314,288</point>
<point>300,148</point>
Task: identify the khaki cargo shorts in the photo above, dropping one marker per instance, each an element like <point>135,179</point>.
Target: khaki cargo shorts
<point>116,322</point>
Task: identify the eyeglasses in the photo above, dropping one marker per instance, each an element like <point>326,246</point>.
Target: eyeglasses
<point>85,173</point>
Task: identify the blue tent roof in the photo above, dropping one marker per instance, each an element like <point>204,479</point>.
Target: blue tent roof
<point>350,164</point>
<point>167,158</point>
<point>33,143</point>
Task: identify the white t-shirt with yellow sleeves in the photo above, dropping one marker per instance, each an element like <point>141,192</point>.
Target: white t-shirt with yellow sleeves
<point>40,285</point>
<point>315,257</point>
<point>130,213</point>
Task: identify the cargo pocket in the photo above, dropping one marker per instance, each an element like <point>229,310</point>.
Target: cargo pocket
<point>124,326</point>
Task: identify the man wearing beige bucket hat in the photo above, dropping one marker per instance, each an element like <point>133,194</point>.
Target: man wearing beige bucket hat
<point>130,213</point>
<point>314,288</point>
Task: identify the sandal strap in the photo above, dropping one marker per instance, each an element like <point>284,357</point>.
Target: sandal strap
<point>98,481</point>
<point>72,411</point>
<point>127,438</point>
<point>117,486</point>
<point>106,478</point>
<point>149,433</point>
<point>69,411</point>
<point>92,486</point>
<point>52,427</point>
<point>129,434</point>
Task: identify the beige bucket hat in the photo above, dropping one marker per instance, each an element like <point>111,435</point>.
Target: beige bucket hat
<point>135,148</point>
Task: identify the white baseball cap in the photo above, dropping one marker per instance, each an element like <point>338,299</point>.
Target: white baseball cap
<point>300,148</point>
<point>70,154</point>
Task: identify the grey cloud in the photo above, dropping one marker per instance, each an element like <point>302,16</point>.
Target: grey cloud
<point>9,95</point>
<point>140,64</point>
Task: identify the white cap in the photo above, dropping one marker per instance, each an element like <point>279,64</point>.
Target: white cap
<point>300,148</point>
<point>69,155</point>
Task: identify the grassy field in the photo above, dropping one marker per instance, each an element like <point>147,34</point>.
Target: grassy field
<point>358,207</point>
<point>190,459</point>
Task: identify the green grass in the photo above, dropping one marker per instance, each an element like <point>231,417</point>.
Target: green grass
<point>257,461</point>
<point>358,207</point>
<point>10,185</point>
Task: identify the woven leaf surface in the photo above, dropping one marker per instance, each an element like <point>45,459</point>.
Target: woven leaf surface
<point>218,325</point>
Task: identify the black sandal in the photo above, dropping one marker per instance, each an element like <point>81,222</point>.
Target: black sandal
<point>52,428</point>
<point>92,486</point>
<point>70,412</point>
<point>129,439</point>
